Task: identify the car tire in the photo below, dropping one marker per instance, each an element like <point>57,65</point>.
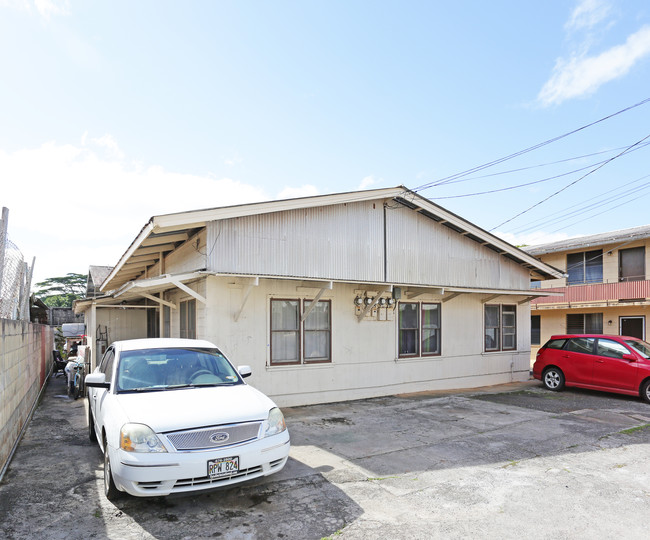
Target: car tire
<point>645,391</point>
<point>91,425</point>
<point>553,379</point>
<point>110,489</point>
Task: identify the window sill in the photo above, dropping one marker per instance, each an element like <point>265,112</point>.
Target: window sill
<point>428,358</point>
<point>290,367</point>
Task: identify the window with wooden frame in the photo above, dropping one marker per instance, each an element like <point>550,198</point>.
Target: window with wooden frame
<point>500,323</point>
<point>187,313</point>
<point>317,331</point>
<point>419,329</point>
<point>293,343</point>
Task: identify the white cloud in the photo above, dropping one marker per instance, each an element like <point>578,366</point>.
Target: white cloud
<point>108,142</point>
<point>582,76</point>
<point>233,160</point>
<point>45,8</point>
<point>367,182</point>
<point>533,239</point>
<point>72,205</point>
<point>303,191</point>
<point>587,14</point>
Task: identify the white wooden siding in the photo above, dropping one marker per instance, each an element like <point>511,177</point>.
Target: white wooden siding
<point>364,354</point>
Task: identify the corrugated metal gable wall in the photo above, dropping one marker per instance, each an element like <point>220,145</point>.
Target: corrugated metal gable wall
<point>423,251</point>
<point>329,242</point>
<point>346,242</point>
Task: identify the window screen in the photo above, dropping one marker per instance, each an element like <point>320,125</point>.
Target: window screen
<point>409,338</point>
<point>492,329</point>
<point>430,328</point>
<point>535,329</point>
<point>632,264</point>
<point>317,333</point>
<point>285,337</point>
<point>187,314</point>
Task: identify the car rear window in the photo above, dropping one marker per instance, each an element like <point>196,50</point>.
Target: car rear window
<point>555,344</point>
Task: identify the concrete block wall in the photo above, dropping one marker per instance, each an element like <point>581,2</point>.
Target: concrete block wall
<point>25,361</point>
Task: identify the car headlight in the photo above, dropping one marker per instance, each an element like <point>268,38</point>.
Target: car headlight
<point>275,423</point>
<point>139,438</point>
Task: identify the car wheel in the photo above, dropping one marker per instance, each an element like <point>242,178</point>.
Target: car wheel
<point>645,391</point>
<point>91,425</point>
<point>553,379</point>
<point>110,489</point>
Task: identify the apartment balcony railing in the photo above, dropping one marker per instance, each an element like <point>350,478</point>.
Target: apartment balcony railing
<point>623,291</point>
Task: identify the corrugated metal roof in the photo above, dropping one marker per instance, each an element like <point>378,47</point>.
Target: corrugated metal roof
<point>601,239</point>
<point>98,274</point>
<point>163,234</point>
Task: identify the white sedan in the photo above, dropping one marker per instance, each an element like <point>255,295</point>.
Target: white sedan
<point>174,415</point>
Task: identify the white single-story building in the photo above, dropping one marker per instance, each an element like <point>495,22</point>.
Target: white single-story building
<point>330,298</point>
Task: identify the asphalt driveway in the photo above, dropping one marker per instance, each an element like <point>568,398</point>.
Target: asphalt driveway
<point>514,461</point>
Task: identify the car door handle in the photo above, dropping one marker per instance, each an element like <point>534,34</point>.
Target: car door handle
<point>566,356</point>
<point>600,361</point>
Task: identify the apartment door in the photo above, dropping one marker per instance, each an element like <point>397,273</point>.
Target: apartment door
<point>632,326</point>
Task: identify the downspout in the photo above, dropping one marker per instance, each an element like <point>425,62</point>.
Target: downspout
<point>385,248</point>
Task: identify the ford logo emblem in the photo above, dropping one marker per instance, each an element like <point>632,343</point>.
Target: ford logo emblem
<point>219,437</point>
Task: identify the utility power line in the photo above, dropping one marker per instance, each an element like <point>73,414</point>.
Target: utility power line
<point>453,177</point>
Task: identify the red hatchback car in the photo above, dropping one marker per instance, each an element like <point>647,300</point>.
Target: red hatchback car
<point>618,364</point>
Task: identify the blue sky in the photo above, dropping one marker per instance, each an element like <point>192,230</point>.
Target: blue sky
<point>116,111</point>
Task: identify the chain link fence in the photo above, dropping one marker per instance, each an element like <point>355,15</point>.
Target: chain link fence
<point>14,277</point>
<point>13,265</point>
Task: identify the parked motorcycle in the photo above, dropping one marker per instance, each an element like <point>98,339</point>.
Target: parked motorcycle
<point>75,372</point>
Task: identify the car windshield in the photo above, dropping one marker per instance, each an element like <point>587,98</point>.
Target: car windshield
<point>639,346</point>
<point>173,368</point>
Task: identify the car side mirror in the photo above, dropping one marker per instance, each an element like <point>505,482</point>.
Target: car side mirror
<point>244,371</point>
<point>97,380</point>
<point>629,357</point>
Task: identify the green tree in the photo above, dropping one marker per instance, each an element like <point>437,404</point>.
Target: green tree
<point>62,291</point>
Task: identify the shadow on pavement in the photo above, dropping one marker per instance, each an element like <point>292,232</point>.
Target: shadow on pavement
<point>53,489</point>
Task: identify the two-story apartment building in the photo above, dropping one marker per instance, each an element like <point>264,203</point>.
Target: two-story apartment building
<point>606,291</point>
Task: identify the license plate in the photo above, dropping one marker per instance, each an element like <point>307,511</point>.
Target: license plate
<point>223,466</point>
